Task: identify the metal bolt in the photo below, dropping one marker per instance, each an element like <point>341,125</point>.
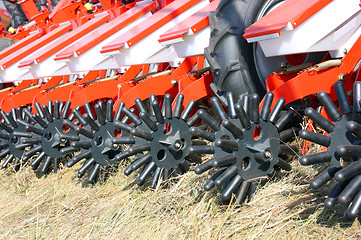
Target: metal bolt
<point>174,82</point>
<point>349,93</point>
<point>342,77</point>
<point>115,146</point>
<point>267,154</point>
<point>177,145</point>
<point>345,51</point>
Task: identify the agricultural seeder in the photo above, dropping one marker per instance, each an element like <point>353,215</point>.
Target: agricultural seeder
<point>160,83</point>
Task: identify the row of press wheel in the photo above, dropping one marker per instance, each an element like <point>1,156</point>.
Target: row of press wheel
<point>161,140</point>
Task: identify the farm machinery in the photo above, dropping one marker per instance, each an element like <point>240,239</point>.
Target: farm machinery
<point>157,84</point>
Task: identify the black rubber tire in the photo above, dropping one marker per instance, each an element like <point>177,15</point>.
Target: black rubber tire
<point>228,54</point>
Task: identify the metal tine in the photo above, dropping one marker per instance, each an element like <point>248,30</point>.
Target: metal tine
<point>47,114</point>
<point>242,116</point>
<point>4,136</point>
<point>210,183</point>
<point>284,165</point>
<point>242,192</point>
<point>4,154</point>
<point>16,165</point>
<point>157,112</point>
<point>349,151</point>
<point>19,113</point>
<point>148,121</point>
<point>88,109</point>
<point>202,114</point>
<point>109,113</point>
<point>252,189</point>
<point>236,131</point>
<point>24,115</point>
<point>350,171</point>
<point>140,162</point>
<point>91,122</point>
<point>146,173</point>
<point>322,157</point>
<point>266,108</point>
<point>354,128</point>
<point>151,99</point>
<point>324,123</point>
<point>50,107</point>
<point>142,134</point>
<point>188,109</point>
<point>87,164</point>
<point>178,106</point>
<point>86,144</point>
<point>72,116</point>
<point>131,116</point>
<point>156,177</point>
<point>56,162</point>
<point>197,132</point>
<point>167,106</point>
<point>67,150</point>
<point>83,155</point>
<point>140,106</point>
<point>46,164</point>
<point>334,193</point>
<point>119,112</point>
<point>228,144</point>
<point>193,120</point>
<point>13,113</point>
<point>94,173</point>
<point>165,176</point>
<point>230,103</point>
<point>315,137</point>
<point>218,109</point>
<point>273,117</point>
<point>29,116</point>
<point>329,105</point>
<point>8,160</point>
<point>226,175</point>
<point>123,140</point>
<point>56,109</point>
<point>342,98</point>
<point>61,106</point>
<point>80,117</point>
<point>139,148</point>
<point>39,110</point>
<point>8,119</point>
<point>65,109</point>
<point>33,151</point>
<point>194,158</point>
<point>254,108</point>
<point>35,164</point>
<point>323,177</point>
<point>356,97</point>
<point>231,187</point>
<point>204,167</point>
<point>354,208</point>
<point>99,113</point>
<point>284,119</point>
<point>201,149</point>
<point>122,126</point>
<point>350,191</point>
<point>5,127</point>
<point>224,161</point>
<point>246,103</point>
<point>184,166</point>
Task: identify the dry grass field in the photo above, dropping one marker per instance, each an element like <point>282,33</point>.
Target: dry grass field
<point>59,206</point>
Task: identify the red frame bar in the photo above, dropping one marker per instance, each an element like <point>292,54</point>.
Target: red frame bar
<point>195,23</point>
<point>23,52</point>
<point>147,27</point>
<point>65,41</point>
<point>105,31</point>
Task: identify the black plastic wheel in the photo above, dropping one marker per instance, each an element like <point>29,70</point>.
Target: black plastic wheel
<point>246,145</point>
<point>96,140</point>
<point>162,140</point>
<point>343,150</point>
<point>14,138</point>
<point>46,140</point>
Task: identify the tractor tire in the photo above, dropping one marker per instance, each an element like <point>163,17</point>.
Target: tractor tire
<point>228,54</point>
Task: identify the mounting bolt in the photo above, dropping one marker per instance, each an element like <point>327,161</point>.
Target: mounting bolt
<point>345,51</point>
<point>177,145</point>
<point>342,77</point>
<point>349,93</point>
<point>267,154</point>
<point>115,146</point>
<point>174,82</point>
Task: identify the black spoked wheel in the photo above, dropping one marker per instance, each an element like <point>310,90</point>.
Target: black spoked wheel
<point>343,150</point>
<point>95,141</point>
<point>14,138</point>
<point>46,136</point>
<point>247,145</point>
<point>162,140</point>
